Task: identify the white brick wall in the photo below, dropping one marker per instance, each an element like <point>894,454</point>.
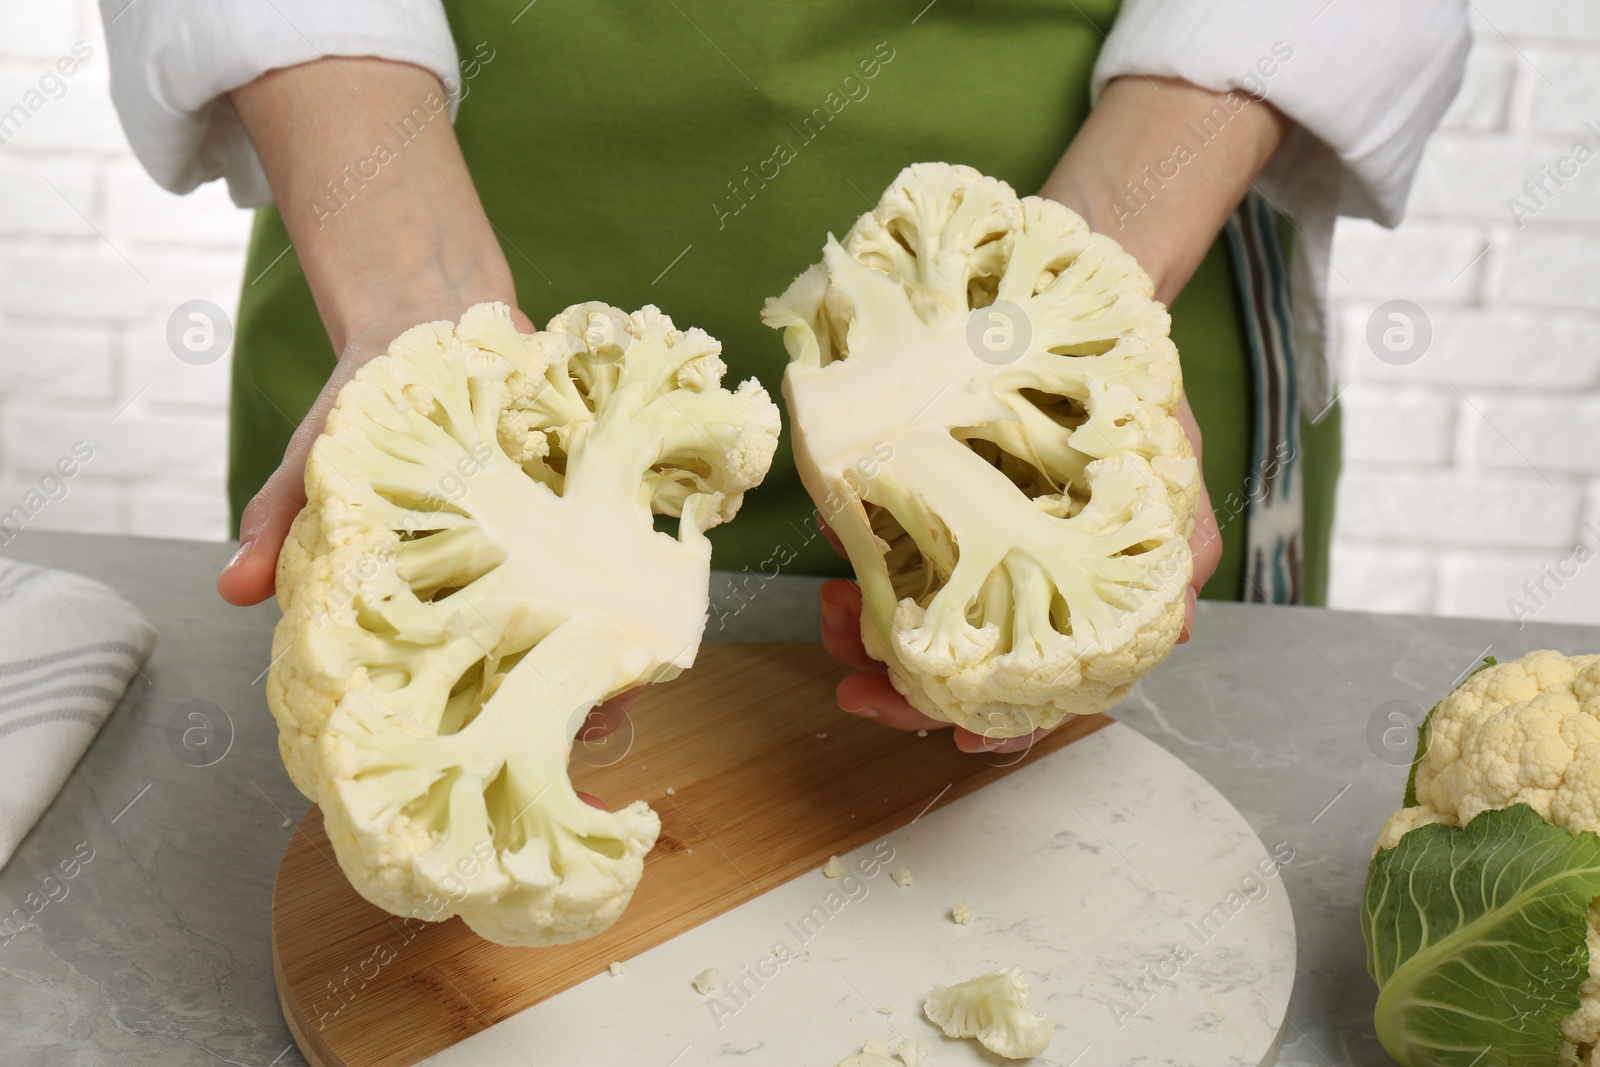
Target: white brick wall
<point>1472,470</point>
<point>94,257</point>
<point>1468,472</point>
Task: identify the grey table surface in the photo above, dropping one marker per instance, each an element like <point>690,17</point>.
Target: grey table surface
<point>160,952</point>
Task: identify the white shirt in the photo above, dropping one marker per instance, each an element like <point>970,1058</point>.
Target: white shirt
<point>1365,81</point>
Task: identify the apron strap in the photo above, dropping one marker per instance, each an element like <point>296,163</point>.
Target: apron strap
<point>1273,516</point>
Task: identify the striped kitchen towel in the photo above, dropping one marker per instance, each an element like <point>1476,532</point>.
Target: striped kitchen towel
<point>68,647</point>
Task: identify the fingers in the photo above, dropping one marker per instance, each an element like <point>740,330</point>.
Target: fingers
<point>841,624</point>
<point>605,718</point>
<point>602,720</point>
<point>248,578</point>
<point>831,537</point>
<point>869,693</point>
<point>873,696</point>
<point>1205,542</point>
<point>967,741</point>
<point>623,702</point>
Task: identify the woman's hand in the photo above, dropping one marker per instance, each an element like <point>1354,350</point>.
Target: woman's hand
<point>869,692</point>
<point>1133,127</point>
<point>1205,541</point>
<point>406,242</point>
<point>249,576</point>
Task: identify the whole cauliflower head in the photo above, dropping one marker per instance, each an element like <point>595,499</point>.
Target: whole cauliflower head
<point>983,399</point>
<point>1522,732</point>
<point>475,568</point>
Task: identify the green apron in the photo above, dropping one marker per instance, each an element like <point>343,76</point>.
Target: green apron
<point>693,155</point>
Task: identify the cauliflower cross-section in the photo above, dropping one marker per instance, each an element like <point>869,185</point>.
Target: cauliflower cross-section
<point>475,568</point>
<point>983,396</point>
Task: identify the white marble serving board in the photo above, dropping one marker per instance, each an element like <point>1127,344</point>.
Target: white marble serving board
<point>1094,869</point>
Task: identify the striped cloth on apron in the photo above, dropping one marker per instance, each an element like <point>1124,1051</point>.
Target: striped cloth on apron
<point>1274,514</point>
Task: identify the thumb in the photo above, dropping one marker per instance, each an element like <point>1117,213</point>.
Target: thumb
<point>249,576</point>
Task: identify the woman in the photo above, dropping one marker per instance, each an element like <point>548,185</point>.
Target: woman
<point>693,156</point>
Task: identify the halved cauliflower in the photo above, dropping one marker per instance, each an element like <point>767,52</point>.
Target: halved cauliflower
<point>475,569</point>
<point>983,398</point>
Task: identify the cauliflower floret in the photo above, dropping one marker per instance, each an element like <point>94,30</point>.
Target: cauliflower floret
<point>476,568</point>
<point>984,397</point>
<point>1523,732</point>
<point>994,1009</point>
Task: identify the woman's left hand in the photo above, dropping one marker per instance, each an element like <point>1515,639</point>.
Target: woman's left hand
<point>869,692</point>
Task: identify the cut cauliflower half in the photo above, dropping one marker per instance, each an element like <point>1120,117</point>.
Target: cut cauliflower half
<point>983,398</point>
<point>994,1009</point>
<point>1521,732</point>
<point>476,568</point>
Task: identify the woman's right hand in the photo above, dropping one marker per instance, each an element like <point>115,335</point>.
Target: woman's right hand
<point>250,575</point>
<point>408,243</point>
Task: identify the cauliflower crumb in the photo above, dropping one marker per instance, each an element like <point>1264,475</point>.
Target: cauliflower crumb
<point>780,950</point>
<point>616,969</point>
<point>671,792</point>
<point>962,912</point>
<point>901,876</point>
<point>823,736</point>
<point>875,1053</point>
<point>707,980</point>
<point>834,868</point>
<point>913,1053</point>
<point>922,733</point>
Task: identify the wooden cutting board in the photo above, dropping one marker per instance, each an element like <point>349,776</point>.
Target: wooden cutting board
<point>768,778</point>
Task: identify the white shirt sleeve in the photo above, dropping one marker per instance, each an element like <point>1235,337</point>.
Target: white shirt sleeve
<point>1365,82</point>
<point>173,63</point>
